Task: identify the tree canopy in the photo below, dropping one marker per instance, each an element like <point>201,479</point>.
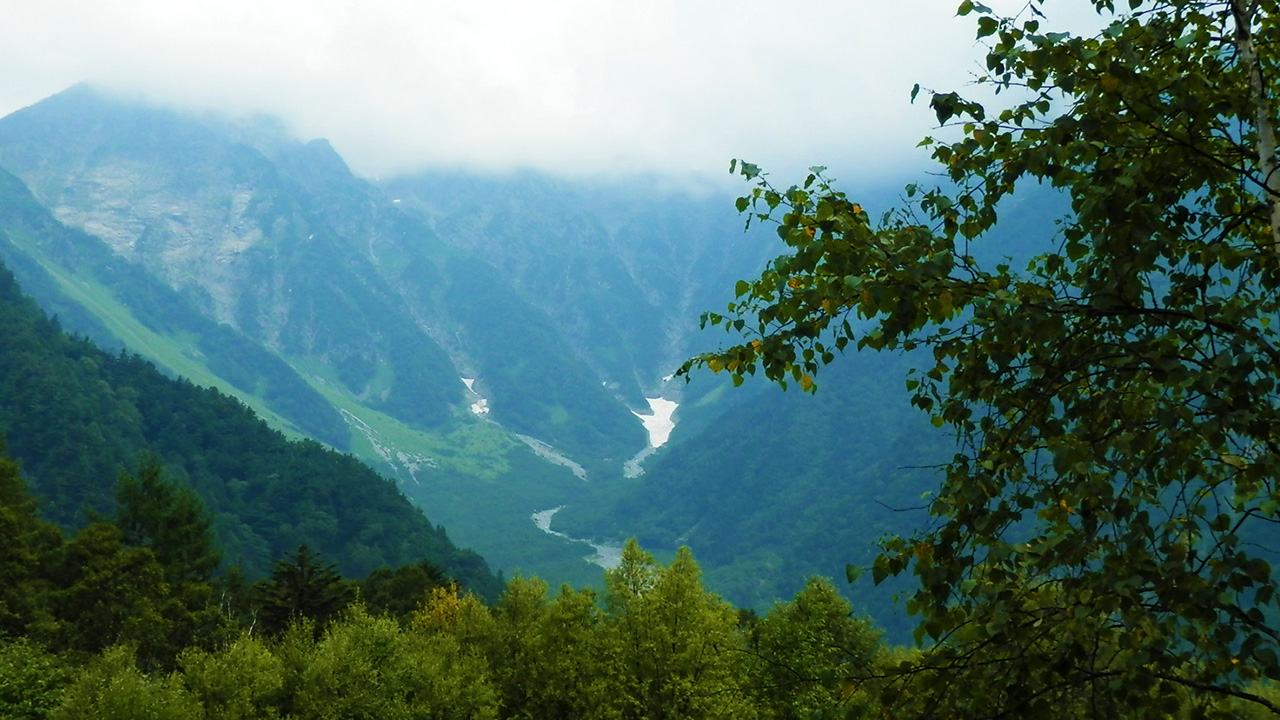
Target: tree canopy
<point>1102,537</point>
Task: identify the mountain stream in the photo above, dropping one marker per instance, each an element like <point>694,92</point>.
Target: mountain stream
<point>658,423</point>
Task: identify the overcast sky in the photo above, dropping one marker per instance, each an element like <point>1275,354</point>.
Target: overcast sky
<point>567,86</point>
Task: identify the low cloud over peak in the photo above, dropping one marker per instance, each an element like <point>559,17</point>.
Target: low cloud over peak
<point>565,86</point>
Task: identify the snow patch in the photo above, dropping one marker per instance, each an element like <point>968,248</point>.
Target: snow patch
<point>479,405</point>
<point>660,421</point>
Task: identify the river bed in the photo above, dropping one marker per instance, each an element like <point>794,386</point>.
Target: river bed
<point>606,555</point>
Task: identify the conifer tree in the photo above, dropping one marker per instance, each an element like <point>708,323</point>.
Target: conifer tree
<point>301,585</point>
<point>25,540</point>
<point>154,512</point>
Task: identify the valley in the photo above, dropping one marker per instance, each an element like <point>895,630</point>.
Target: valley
<point>500,346</point>
<point>420,360</point>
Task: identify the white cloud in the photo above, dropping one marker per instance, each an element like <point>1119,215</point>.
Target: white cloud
<point>578,86</point>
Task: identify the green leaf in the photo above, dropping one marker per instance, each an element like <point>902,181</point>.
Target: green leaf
<point>852,573</point>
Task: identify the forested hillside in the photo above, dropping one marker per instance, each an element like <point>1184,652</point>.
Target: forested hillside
<point>653,644</point>
<point>75,417</point>
<point>752,493</point>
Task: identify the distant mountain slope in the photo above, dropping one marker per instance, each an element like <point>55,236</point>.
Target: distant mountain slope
<point>534,381</point>
<point>76,276</point>
<point>623,267</point>
<point>74,415</point>
<point>788,485</point>
<point>196,206</point>
<point>277,240</point>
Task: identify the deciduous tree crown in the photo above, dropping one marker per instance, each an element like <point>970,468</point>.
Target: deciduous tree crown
<point>1104,533</point>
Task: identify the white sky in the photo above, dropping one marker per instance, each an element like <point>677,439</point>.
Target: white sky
<point>568,86</point>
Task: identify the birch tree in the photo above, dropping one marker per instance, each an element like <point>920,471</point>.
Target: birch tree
<point>1102,539</point>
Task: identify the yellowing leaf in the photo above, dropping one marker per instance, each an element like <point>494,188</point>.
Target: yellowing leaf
<point>806,383</point>
<point>1234,461</point>
<point>1109,82</point>
<point>944,301</point>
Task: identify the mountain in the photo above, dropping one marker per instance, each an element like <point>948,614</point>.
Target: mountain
<point>486,340</point>
<point>623,267</point>
<point>74,416</point>
<point>220,224</point>
<point>92,290</point>
<point>421,324</point>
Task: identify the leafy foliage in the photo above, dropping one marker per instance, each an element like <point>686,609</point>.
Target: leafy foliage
<point>1102,533</point>
<point>398,591</point>
<point>240,681</point>
<point>27,540</point>
<point>659,646</point>
<point>113,688</point>
<point>32,680</point>
<point>679,640</point>
<point>804,651</point>
<point>370,667</point>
